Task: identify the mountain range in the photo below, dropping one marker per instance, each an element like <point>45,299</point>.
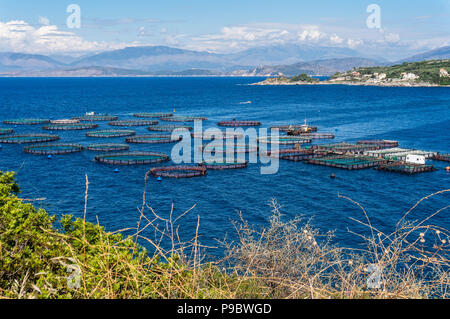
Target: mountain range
<point>286,60</point>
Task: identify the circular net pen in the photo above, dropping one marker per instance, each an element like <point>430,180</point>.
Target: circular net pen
<point>225,136</point>
<point>223,166</point>
<point>107,147</point>
<point>133,123</point>
<point>70,127</point>
<point>230,148</point>
<point>28,138</point>
<point>183,118</point>
<point>6,131</point>
<point>64,121</point>
<point>169,128</point>
<point>152,115</point>
<point>179,171</point>
<point>133,158</point>
<point>239,123</point>
<point>285,140</point>
<point>53,149</point>
<point>153,139</point>
<point>110,133</point>
<point>26,121</point>
<point>93,118</point>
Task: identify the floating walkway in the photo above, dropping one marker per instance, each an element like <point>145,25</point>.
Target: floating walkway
<point>381,143</point>
<point>235,123</point>
<point>28,138</point>
<point>223,166</point>
<point>152,115</point>
<point>153,139</point>
<point>342,148</point>
<point>183,118</point>
<point>169,128</point>
<point>317,136</point>
<point>26,121</point>
<point>70,127</point>
<point>133,123</point>
<point>6,131</point>
<point>94,118</point>
<point>111,133</point>
<point>398,154</point>
<point>179,171</point>
<point>53,149</point>
<point>132,158</point>
<point>348,162</point>
<point>405,168</point>
<point>107,147</point>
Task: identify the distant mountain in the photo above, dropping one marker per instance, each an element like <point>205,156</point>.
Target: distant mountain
<point>19,61</point>
<point>437,54</point>
<point>325,67</point>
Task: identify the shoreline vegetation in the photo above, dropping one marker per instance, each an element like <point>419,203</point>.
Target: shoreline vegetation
<point>433,73</point>
<point>41,257</point>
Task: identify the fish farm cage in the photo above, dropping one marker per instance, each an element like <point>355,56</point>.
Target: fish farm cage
<point>345,148</point>
<point>223,166</point>
<point>183,118</point>
<point>26,121</point>
<point>93,118</point>
<point>348,162</point>
<point>230,148</point>
<point>107,147</point>
<point>111,133</point>
<point>152,115</point>
<point>381,143</point>
<point>132,158</point>
<point>133,123</point>
<point>169,128</point>
<point>53,149</point>
<point>179,171</point>
<point>70,127</point>
<point>296,128</point>
<point>398,154</point>
<point>405,168</point>
<point>285,140</point>
<point>153,139</point>
<point>225,136</point>
<point>300,155</point>
<point>318,136</point>
<point>28,138</point>
<point>442,157</point>
<point>6,131</point>
<point>235,123</point>
<point>64,121</point>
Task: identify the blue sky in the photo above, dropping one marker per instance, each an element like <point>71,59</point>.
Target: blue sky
<point>407,27</point>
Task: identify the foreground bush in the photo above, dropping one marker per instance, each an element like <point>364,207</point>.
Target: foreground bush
<point>72,258</point>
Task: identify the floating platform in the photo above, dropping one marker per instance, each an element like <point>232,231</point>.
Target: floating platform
<point>296,129</point>
<point>342,148</point>
<point>153,139</point>
<point>70,127</point>
<point>239,123</point>
<point>26,121</point>
<point>94,118</point>
<point>441,157</point>
<point>64,121</point>
<point>348,162</point>
<point>152,115</point>
<point>405,168</point>
<point>381,143</point>
<point>285,140</point>
<point>169,128</point>
<point>132,158</point>
<point>111,133</point>
<point>28,138</point>
<point>107,147</point>
<point>6,131</point>
<point>133,123</point>
<point>53,149</point>
<point>398,154</point>
<point>183,118</point>
<point>316,136</point>
<point>223,166</point>
<point>179,171</point>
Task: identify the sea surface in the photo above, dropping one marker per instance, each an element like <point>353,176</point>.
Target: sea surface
<point>416,117</point>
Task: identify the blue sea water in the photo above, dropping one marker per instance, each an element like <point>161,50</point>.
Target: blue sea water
<point>416,117</point>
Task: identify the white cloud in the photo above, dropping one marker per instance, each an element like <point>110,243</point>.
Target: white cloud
<point>19,36</point>
<point>44,21</point>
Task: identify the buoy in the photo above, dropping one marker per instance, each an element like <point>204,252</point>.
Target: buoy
<point>159,179</point>
<point>116,170</point>
<point>447,168</point>
<point>49,156</point>
<point>332,176</point>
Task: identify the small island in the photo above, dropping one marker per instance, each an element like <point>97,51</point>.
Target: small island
<point>434,73</point>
